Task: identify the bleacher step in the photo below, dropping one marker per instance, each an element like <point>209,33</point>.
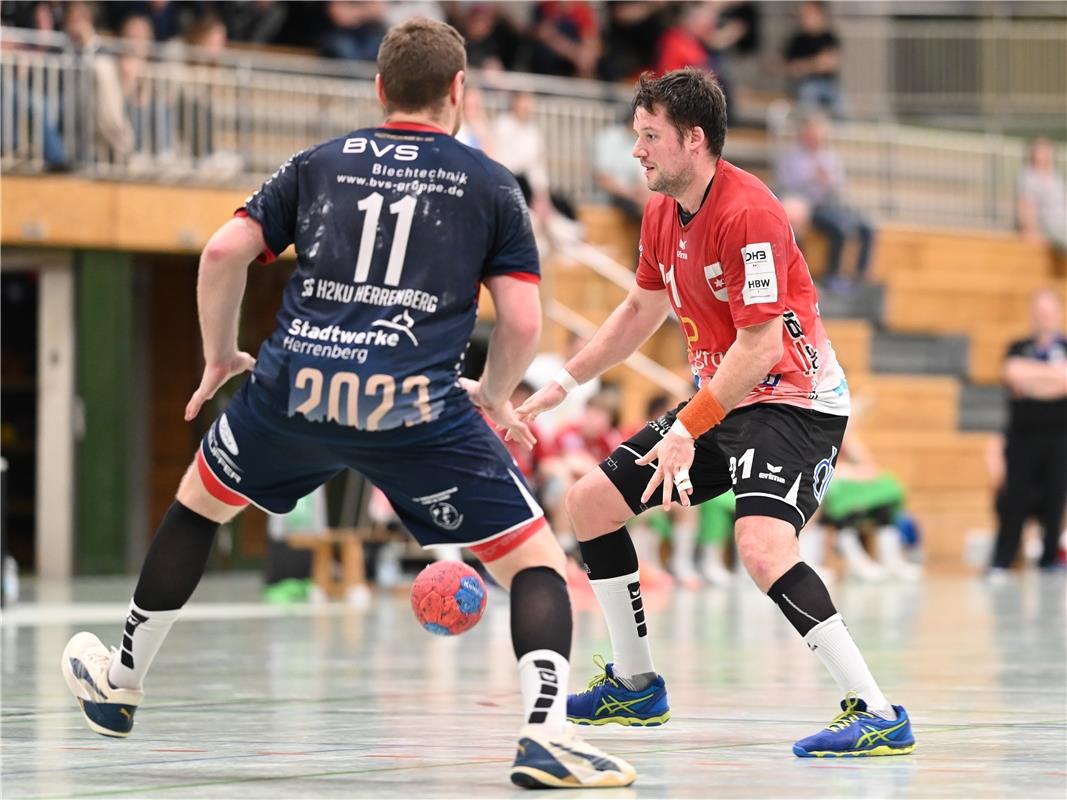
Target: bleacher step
<point>866,301</point>
<point>915,353</point>
<point>983,408</point>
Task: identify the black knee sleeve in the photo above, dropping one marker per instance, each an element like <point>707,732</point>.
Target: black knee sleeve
<point>803,598</point>
<point>609,556</point>
<point>176,560</point>
<point>540,612</point>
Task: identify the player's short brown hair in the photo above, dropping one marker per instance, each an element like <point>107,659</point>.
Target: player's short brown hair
<point>692,98</point>
<point>417,61</point>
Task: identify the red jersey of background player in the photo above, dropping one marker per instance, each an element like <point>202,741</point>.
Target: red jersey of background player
<point>736,264</point>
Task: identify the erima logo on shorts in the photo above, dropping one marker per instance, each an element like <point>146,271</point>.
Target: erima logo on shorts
<point>761,282</point>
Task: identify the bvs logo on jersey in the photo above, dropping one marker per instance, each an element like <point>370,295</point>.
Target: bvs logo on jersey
<point>401,152</point>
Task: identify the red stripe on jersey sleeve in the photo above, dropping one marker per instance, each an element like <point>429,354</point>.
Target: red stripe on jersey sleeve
<point>529,277</point>
<point>267,256</point>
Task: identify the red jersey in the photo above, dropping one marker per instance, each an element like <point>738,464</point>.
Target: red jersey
<point>571,439</point>
<point>736,264</point>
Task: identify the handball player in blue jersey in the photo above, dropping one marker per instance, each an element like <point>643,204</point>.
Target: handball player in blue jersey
<point>395,229</point>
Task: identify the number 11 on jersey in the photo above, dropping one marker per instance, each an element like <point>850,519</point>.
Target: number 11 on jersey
<point>404,209</point>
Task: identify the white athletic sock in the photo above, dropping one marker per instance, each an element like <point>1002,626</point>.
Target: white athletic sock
<point>833,644</point>
<point>624,610</point>
<point>543,676</point>
<point>141,639</point>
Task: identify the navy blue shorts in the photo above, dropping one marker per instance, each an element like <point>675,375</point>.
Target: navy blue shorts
<point>450,483</point>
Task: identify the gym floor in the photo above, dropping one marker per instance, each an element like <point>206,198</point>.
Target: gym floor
<point>248,700</point>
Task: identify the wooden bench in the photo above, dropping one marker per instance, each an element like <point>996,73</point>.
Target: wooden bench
<point>348,542</point>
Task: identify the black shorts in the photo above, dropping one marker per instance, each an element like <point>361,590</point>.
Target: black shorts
<point>777,458</point>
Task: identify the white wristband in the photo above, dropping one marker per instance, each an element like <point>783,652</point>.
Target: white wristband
<point>566,380</point>
<point>680,430</point>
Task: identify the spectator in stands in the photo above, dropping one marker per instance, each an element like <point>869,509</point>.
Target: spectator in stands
<point>397,11</point>
<point>493,41</point>
<point>356,30</point>
<point>208,34</point>
<point>618,174</point>
<point>42,17</point>
<point>137,36</point>
<point>525,156</point>
<point>697,40</point>
<point>633,29</point>
<point>198,108</point>
<point>566,39</point>
<point>813,60</point>
<point>114,136</point>
<point>1042,198</point>
<point>1035,452</point>
<point>475,131</point>
<point>168,19</point>
<point>863,495</point>
<point>578,447</point>
<point>811,181</point>
<point>254,21</point>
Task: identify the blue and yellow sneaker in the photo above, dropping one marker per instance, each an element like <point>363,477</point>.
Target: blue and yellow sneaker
<point>565,762</point>
<point>607,700</point>
<point>108,711</point>
<point>857,732</point>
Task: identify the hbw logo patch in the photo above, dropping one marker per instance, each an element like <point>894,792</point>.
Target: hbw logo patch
<point>761,282</point>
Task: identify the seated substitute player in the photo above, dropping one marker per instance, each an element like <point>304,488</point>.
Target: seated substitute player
<point>767,419</point>
<point>395,227</point>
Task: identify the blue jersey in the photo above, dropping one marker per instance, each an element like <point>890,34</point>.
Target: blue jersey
<point>394,228</point>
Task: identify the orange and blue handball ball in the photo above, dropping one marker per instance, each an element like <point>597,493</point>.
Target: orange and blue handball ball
<point>448,597</point>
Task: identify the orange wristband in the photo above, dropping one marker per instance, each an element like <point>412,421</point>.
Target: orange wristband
<point>702,413</point>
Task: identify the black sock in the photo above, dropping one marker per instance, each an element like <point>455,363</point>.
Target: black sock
<point>803,598</point>
<point>176,560</point>
<point>540,612</point>
<point>609,556</point>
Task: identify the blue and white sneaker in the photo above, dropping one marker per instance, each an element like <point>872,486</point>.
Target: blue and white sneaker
<point>108,711</point>
<point>607,700</point>
<point>566,762</point>
<point>856,732</point>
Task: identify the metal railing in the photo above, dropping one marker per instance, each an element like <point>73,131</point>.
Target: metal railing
<point>995,68</point>
<point>234,120</point>
<point>923,176</point>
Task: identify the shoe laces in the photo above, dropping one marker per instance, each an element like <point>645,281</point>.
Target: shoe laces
<point>849,714</point>
<point>602,678</point>
<point>99,657</point>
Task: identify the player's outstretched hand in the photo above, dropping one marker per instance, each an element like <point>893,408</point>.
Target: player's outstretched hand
<point>547,397</point>
<point>215,375</point>
<point>502,415</point>
<point>675,454</point>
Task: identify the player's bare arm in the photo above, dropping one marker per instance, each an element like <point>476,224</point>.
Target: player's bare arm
<point>746,363</point>
<point>628,327</point>
<point>220,287</point>
<point>512,346</point>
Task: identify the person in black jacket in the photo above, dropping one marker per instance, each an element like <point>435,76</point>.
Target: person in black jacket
<point>1035,452</point>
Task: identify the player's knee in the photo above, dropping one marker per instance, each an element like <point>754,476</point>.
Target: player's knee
<point>585,509</point>
<point>758,553</point>
<point>194,495</point>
